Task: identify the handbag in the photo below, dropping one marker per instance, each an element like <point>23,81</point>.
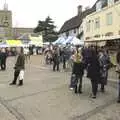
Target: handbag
<point>73,81</point>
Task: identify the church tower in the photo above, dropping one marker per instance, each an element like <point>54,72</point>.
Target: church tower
<point>5,8</point>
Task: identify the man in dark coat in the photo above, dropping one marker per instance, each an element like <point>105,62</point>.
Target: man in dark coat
<point>19,67</point>
<point>56,59</point>
<point>118,71</point>
<point>3,58</point>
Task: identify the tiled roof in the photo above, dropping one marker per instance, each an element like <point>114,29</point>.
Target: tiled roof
<point>76,21</point>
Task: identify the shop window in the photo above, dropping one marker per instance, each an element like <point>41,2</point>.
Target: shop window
<point>97,36</point>
<point>87,38</point>
<point>109,34</point>
<point>88,26</point>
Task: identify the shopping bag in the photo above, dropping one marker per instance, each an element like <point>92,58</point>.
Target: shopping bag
<point>21,75</point>
<point>118,68</point>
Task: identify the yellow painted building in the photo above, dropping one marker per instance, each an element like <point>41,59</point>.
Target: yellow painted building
<point>103,24</point>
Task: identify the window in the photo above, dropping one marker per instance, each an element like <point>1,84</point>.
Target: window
<point>67,33</point>
<point>99,6</point>
<point>74,30</point>
<point>109,19</point>
<point>119,32</point>
<point>88,26</point>
<point>97,23</point>
<point>87,38</point>
<point>110,2</point>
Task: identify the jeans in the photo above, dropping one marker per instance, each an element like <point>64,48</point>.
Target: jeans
<point>3,65</point>
<point>55,64</point>
<point>64,63</point>
<point>78,81</point>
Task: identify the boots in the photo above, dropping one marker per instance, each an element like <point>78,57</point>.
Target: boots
<point>75,89</point>
<point>118,101</point>
<point>79,89</point>
<point>20,83</point>
<point>13,83</point>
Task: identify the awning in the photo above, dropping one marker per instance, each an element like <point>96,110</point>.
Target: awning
<point>14,43</point>
<point>37,41</point>
<point>4,45</point>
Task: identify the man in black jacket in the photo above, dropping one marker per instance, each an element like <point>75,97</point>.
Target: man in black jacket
<point>118,71</point>
<point>3,57</point>
<point>19,67</point>
<point>56,58</point>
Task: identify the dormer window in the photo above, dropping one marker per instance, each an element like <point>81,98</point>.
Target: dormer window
<point>110,2</point>
<point>99,6</point>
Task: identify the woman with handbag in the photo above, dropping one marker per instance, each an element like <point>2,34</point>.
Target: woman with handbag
<point>105,63</point>
<point>78,70</point>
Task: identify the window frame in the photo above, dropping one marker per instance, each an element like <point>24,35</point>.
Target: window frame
<point>97,23</point>
<point>108,20</point>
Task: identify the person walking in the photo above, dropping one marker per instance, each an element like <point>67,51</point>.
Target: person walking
<point>19,67</point>
<point>56,59</point>
<point>3,59</point>
<point>105,62</point>
<point>78,70</point>
<point>94,72</point>
<point>118,71</point>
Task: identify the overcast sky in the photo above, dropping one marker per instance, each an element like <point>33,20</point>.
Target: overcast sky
<point>26,13</point>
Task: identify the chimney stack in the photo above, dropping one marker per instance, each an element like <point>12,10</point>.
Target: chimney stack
<point>79,9</point>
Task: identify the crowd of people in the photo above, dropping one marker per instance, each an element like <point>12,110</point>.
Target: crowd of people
<point>92,59</point>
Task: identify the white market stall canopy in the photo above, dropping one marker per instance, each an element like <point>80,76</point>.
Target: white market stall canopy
<point>68,40</point>
<point>60,40</point>
<point>73,40</point>
<point>3,45</point>
<point>76,41</point>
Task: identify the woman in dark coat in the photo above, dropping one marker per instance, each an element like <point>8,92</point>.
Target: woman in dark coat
<point>94,72</point>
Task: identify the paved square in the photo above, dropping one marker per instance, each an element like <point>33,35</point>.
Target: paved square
<point>46,96</point>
